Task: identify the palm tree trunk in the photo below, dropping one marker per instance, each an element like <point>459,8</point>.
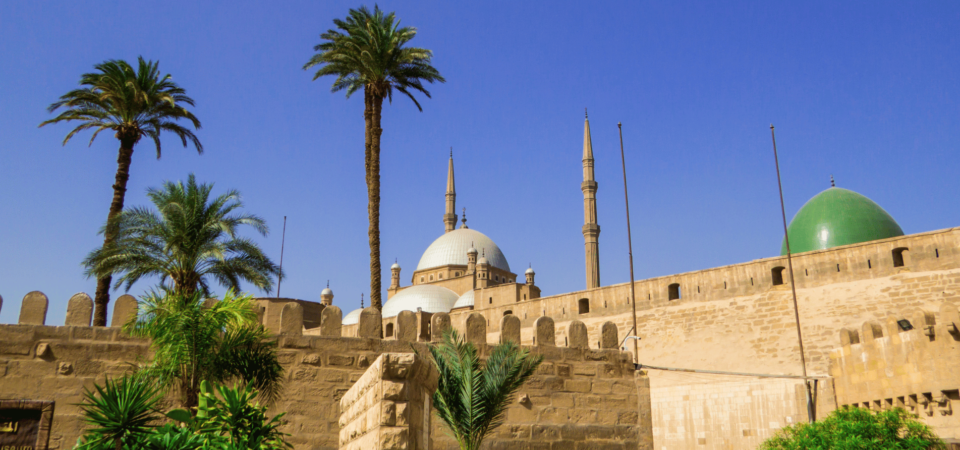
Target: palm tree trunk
<point>102,296</point>
<point>373,197</point>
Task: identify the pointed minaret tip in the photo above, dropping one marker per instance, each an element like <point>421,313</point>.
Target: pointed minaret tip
<point>832,183</point>
<point>587,141</point>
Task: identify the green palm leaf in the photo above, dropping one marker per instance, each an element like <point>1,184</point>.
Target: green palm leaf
<point>472,396</point>
<point>132,103</point>
<point>190,237</point>
<point>368,51</point>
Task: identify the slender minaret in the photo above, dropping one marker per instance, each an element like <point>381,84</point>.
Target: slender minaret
<point>591,231</point>
<point>450,218</point>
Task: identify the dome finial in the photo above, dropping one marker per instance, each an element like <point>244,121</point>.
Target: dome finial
<point>361,300</point>
<point>464,218</point>
<point>832,183</point>
<point>585,115</point>
<point>328,283</point>
<point>451,152</point>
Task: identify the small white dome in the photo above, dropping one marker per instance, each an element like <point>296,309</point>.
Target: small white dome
<point>472,251</point>
<point>429,298</point>
<point>326,291</point>
<point>464,300</point>
<point>352,318</point>
<point>451,249</point>
<point>395,266</point>
<point>530,271</point>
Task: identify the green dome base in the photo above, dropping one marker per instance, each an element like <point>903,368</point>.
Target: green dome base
<point>838,217</point>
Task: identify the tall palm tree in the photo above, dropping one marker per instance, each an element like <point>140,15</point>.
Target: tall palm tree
<point>367,51</point>
<point>133,104</point>
<point>189,238</point>
<point>194,340</point>
<point>472,396</point>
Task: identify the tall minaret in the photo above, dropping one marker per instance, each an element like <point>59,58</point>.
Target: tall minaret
<point>450,218</point>
<point>591,231</point>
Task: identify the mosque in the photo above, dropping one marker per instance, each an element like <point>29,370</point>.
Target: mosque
<point>854,269</point>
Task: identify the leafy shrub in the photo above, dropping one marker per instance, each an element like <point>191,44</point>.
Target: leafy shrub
<point>123,415</point>
<point>858,429</point>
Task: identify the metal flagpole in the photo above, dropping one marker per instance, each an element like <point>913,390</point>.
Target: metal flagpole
<point>283,241</point>
<point>811,409</point>
<point>633,296</point>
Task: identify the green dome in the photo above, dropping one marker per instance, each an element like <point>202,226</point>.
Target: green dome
<point>838,217</point>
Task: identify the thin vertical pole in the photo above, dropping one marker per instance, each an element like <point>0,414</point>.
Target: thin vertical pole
<point>811,411</point>
<point>633,296</point>
<point>283,242</point>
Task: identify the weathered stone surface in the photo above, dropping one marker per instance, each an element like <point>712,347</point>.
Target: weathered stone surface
<point>124,310</point>
<point>871,331</point>
<point>330,321</point>
<point>291,319</point>
<point>79,310</point>
<point>510,329</point>
<point>33,311</point>
<point>439,323</point>
<point>371,324</point>
<point>476,328</point>
<point>577,335</point>
<point>545,332</point>
<point>407,326</point>
<point>609,337</point>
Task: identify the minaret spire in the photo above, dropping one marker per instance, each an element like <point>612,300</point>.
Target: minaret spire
<point>450,217</point>
<point>591,230</point>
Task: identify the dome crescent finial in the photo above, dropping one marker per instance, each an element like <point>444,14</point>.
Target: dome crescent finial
<point>832,183</point>
<point>361,300</point>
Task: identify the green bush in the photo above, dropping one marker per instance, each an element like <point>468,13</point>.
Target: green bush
<point>858,429</point>
<point>123,415</point>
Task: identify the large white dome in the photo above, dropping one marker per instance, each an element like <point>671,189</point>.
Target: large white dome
<point>451,249</point>
<point>429,298</point>
<point>464,300</point>
<point>352,318</point>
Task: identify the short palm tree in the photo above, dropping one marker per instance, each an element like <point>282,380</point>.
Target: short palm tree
<point>367,51</point>
<point>132,103</point>
<point>188,239</point>
<point>472,396</point>
<point>194,340</point>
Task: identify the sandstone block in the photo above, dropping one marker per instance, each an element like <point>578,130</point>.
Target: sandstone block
<point>124,310</point>
<point>577,334</point>
<point>609,337</point>
<point>371,324</point>
<point>33,311</point>
<point>331,324</point>
<point>510,329</point>
<point>79,310</point>
<point>291,320</point>
<point>545,332</point>
<point>439,323</point>
<point>407,326</point>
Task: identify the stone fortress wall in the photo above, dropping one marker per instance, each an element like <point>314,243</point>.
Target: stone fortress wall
<point>579,398</point>
<point>740,318</point>
<point>909,360</point>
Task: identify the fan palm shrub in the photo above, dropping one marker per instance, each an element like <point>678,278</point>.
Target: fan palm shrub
<point>195,340</point>
<point>119,413</point>
<point>856,429</point>
<point>189,239</point>
<point>472,395</point>
<point>123,414</point>
<point>133,103</point>
<point>368,51</point>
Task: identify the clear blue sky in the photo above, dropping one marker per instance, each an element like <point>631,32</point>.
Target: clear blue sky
<point>867,91</point>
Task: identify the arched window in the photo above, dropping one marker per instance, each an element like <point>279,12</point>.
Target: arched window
<point>898,256</point>
<point>673,291</point>
<point>583,305</point>
<point>507,312</point>
<point>440,276</point>
<point>389,330</point>
<point>456,274</point>
<point>421,279</point>
<point>431,277</point>
<point>776,274</point>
